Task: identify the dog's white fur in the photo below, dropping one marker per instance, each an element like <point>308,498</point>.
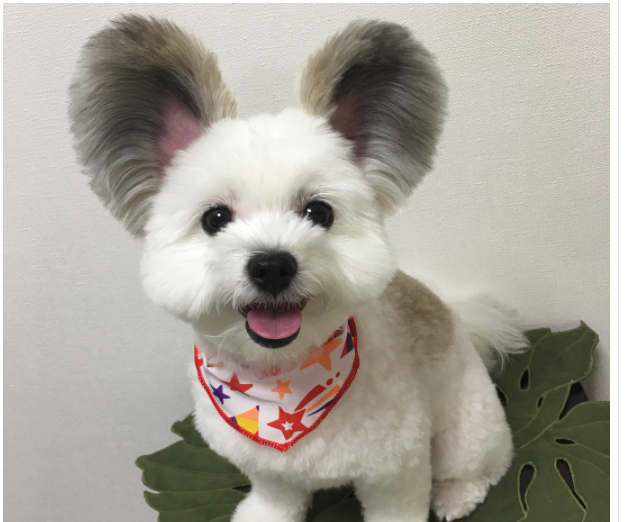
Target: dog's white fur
<point>407,405</point>
<point>421,424</point>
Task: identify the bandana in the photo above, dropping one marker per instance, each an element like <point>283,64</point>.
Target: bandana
<point>278,409</point>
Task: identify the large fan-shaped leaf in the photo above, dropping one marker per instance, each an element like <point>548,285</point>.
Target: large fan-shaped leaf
<point>560,472</point>
<point>561,466</point>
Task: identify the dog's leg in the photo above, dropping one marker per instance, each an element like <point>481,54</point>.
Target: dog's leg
<point>474,451</point>
<point>400,498</point>
<point>272,500</point>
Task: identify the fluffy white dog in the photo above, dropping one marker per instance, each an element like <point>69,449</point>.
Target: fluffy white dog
<point>317,363</point>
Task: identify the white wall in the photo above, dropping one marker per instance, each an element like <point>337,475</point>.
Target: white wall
<point>518,204</point>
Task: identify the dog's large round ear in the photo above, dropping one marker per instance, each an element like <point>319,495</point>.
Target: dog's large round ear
<point>381,89</point>
<point>143,90</point>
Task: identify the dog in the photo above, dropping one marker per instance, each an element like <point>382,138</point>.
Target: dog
<point>316,363</point>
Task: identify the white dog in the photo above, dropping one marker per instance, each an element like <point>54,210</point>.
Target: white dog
<point>317,363</point>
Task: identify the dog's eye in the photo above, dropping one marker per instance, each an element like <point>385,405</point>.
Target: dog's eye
<point>215,219</point>
<point>319,213</point>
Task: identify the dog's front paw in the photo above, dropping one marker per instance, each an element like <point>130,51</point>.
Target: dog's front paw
<point>265,508</point>
<point>453,499</point>
<point>253,508</point>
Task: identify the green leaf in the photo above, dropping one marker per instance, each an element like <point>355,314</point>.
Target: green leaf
<point>185,500</point>
<point>186,430</point>
<point>325,499</point>
<point>194,484</point>
<point>537,385</point>
<point>348,510</point>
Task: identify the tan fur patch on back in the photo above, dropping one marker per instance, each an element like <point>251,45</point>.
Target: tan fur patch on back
<point>428,318</point>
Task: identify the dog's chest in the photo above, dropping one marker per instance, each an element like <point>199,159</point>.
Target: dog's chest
<point>381,422</point>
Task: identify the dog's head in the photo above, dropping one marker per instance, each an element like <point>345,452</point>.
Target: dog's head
<point>263,233</point>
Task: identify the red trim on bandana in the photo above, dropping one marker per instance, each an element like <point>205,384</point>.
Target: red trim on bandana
<point>276,445</point>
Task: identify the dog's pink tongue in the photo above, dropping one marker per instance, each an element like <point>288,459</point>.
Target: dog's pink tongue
<point>274,323</point>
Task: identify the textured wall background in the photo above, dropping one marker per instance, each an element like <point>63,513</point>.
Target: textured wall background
<point>518,205</point>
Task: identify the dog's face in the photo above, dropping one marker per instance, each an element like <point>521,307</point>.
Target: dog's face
<point>264,234</point>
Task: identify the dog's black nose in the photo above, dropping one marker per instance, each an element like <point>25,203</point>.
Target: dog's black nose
<point>272,272</point>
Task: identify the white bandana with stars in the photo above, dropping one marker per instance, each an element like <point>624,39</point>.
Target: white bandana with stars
<point>279,409</point>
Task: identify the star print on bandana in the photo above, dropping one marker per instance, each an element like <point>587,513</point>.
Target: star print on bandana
<point>218,392</point>
<point>237,386</point>
<point>288,423</point>
<point>323,357</point>
<point>282,388</point>
<point>278,407</point>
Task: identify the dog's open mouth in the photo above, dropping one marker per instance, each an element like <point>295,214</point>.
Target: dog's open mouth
<point>273,326</point>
